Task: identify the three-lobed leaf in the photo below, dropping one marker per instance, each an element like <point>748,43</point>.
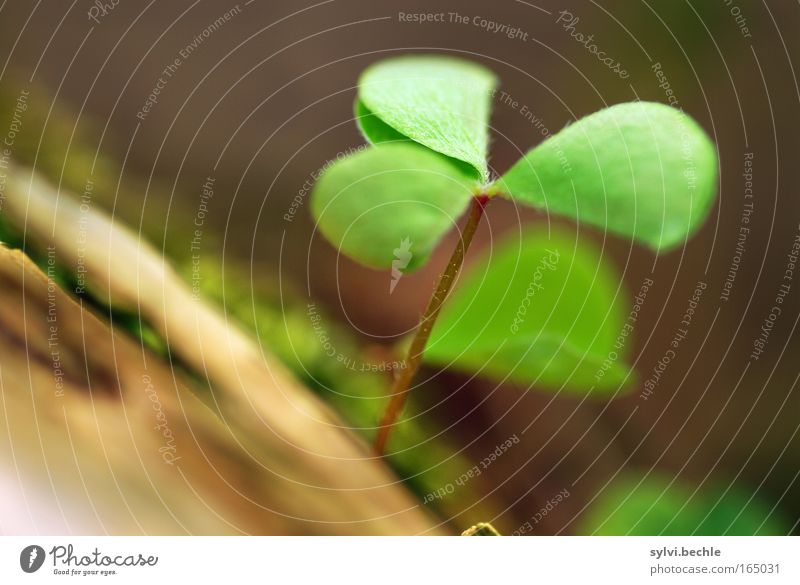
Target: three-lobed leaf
<point>390,203</point>
<point>642,170</point>
<point>542,310</point>
<point>537,310</point>
<point>442,103</point>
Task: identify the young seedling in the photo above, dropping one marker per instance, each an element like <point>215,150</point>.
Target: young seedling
<point>640,170</point>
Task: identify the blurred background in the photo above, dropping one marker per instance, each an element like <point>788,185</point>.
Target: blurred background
<point>253,98</point>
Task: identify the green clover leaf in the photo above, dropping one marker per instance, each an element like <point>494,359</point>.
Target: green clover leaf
<point>391,196</point>
<point>536,310</point>
<point>442,103</point>
<point>643,170</point>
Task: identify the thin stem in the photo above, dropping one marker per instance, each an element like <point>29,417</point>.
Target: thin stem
<point>402,382</point>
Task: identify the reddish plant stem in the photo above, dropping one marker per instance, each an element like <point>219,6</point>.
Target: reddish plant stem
<point>402,383</point>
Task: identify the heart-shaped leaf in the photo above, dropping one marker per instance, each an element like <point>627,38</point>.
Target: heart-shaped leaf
<point>537,310</point>
<point>642,170</point>
<point>440,102</point>
<point>651,505</point>
<point>388,206</point>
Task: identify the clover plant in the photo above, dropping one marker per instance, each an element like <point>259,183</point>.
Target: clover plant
<point>640,170</point>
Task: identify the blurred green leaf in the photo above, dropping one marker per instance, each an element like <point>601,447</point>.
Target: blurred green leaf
<point>540,310</point>
<point>736,513</point>
<point>627,507</point>
<point>642,170</point>
<point>649,505</point>
<point>440,102</point>
<point>390,203</point>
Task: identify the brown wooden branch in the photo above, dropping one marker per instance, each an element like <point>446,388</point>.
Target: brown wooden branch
<point>259,454</point>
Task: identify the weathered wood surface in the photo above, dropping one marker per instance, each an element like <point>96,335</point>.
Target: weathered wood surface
<point>109,436</point>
